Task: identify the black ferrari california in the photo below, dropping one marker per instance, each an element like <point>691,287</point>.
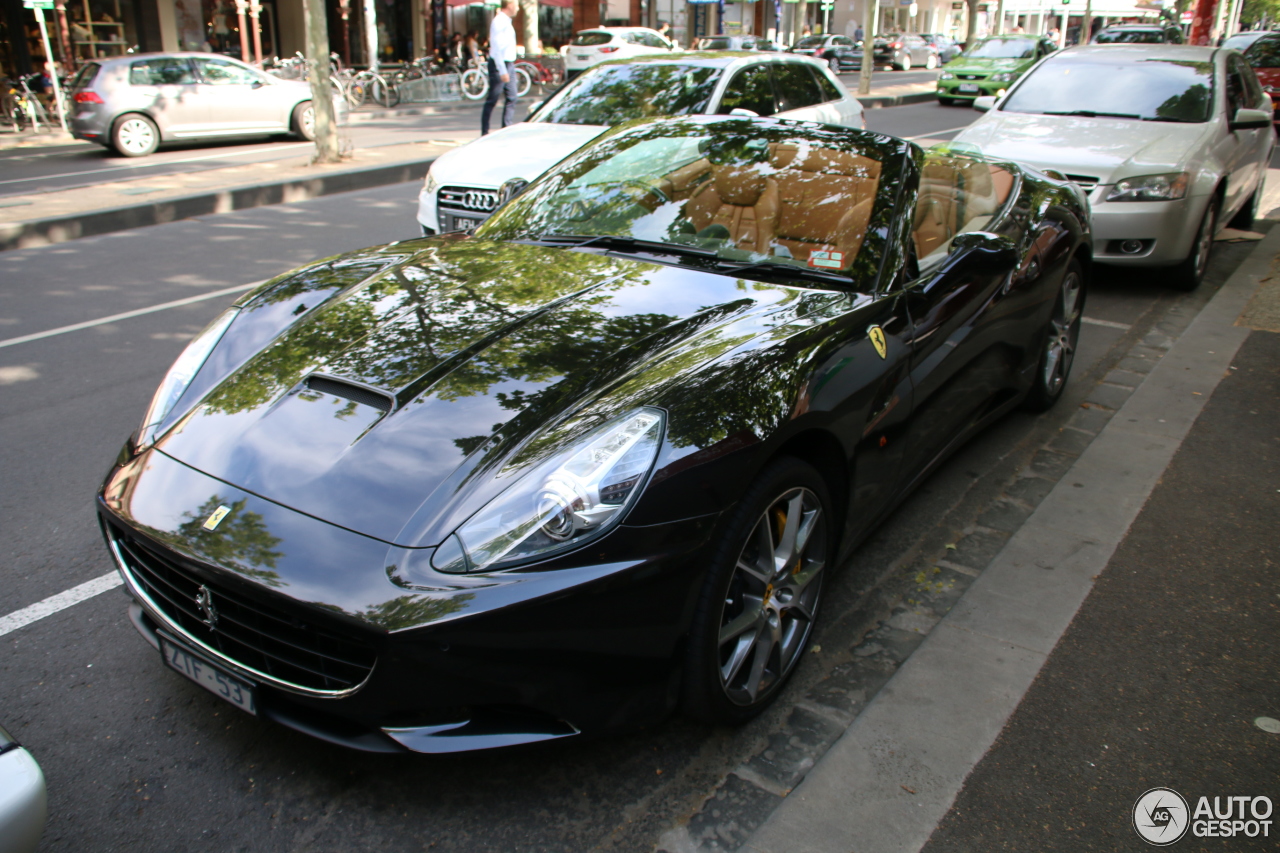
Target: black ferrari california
<point>595,462</point>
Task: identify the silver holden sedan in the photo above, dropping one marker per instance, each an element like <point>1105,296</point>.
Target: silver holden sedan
<point>1170,142</point>
<point>23,799</point>
<point>131,104</point>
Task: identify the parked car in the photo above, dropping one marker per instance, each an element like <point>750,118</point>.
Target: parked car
<point>23,798</point>
<point>1263,56</point>
<point>723,42</point>
<point>990,67</point>
<point>590,47</point>
<point>947,48</point>
<point>1241,41</point>
<point>131,104</point>
<point>902,51</point>
<point>466,184</point>
<point>1139,34</point>
<point>596,461</point>
<point>839,52</point>
<point>1170,141</point>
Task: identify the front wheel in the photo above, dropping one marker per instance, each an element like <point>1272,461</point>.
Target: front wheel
<point>1060,339</point>
<point>1243,220</point>
<point>931,63</point>
<point>1188,274</point>
<point>475,85</point>
<point>945,102</point>
<point>906,63</point>
<point>523,82</point>
<point>834,64</point>
<point>135,135</point>
<point>304,121</point>
<point>760,599</point>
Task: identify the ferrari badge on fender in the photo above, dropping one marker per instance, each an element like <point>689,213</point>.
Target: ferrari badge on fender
<point>215,517</point>
<point>877,339</point>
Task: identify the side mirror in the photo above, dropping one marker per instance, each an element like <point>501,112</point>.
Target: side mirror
<point>534,107</point>
<point>743,113</point>
<point>985,103</point>
<point>985,252</point>
<point>1247,119</point>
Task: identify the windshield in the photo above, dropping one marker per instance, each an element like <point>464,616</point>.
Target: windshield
<point>721,193</point>
<point>1150,89</point>
<point>612,94</point>
<point>1004,49</point>
<point>1241,40</point>
<point>713,44</point>
<point>811,41</point>
<point>588,39</point>
<point>1129,37</point>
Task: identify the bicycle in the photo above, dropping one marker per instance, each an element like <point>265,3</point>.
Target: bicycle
<point>475,82</point>
<point>24,106</point>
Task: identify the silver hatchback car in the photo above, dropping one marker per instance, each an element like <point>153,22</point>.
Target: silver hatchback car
<point>133,103</point>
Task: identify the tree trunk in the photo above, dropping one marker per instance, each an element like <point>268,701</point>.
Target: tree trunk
<point>972,32</point>
<point>532,44</point>
<point>802,18</point>
<point>317,24</point>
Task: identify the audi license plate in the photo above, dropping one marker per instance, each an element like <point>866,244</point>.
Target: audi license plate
<point>582,57</point>
<point>209,677</point>
<point>465,223</point>
<point>967,87</point>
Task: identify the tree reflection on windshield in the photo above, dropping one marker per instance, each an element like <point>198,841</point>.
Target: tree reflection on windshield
<point>613,94</point>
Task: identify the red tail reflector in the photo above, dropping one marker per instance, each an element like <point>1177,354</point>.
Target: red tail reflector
<point>897,45</point>
<point>608,49</point>
<point>87,98</point>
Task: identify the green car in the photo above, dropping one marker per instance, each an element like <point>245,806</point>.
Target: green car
<point>990,66</point>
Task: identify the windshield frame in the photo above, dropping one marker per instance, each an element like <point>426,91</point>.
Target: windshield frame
<point>524,218</point>
<point>1034,41</point>
<point>569,89</point>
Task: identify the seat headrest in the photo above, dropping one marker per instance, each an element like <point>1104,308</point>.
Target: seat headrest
<point>826,161</point>
<point>740,185</point>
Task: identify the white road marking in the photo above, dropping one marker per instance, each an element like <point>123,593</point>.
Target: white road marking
<point>153,165</point>
<point>115,318</point>
<point>1110,324</point>
<point>57,603</point>
<point>934,133</point>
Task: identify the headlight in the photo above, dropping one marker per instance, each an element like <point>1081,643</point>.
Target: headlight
<point>946,75</point>
<point>430,186</point>
<point>1151,188</point>
<point>575,496</point>
<point>182,372</point>
<point>1004,77</point>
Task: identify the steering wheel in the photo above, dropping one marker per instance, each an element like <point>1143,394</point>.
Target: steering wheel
<point>646,189</point>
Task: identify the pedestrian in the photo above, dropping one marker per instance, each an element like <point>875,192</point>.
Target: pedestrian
<point>664,30</point>
<point>806,32</point>
<point>471,50</point>
<point>858,33</point>
<point>502,66</point>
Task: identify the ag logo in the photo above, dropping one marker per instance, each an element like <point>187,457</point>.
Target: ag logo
<point>877,340</point>
<point>215,518</point>
<point>1160,816</point>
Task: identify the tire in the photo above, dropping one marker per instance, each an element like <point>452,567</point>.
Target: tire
<point>754,619</point>
<point>134,135</point>
<point>475,85</point>
<point>303,121</point>
<point>946,102</point>
<point>834,64</point>
<point>906,63</point>
<point>1188,274</point>
<point>1243,220</point>
<point>1057,352</point>
<point>356,94</point>
<point>384,92</point>
<point>932,62</point>
<point>523,82</point>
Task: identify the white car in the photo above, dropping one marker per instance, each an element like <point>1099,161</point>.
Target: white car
<point>466,184</point>
<point>1171,143</point>
<point>23,798</point>
<point>591,47</point>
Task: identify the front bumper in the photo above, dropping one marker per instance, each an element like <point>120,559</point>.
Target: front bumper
<point>1166,229</point>
<point>951,88</point>
<point>588,642</point>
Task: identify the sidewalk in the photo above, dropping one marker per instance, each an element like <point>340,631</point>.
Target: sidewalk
<point>1123,640</point>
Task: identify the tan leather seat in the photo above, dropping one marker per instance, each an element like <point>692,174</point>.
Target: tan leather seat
<point>956,194</point>
<point>743,200</point>
<point>826,199</point>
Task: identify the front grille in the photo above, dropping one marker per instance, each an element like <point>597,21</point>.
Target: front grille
<point>971,76</point>
<point>1086,182</point>
<point>469,198</point>
<point>255,635</point>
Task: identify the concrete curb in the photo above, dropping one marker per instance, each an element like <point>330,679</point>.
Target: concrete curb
<point>896,771</point>
<point>24,235</point>
<point>875,102</point>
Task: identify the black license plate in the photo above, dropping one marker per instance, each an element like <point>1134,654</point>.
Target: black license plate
<point>210,677</point>
<point>464,223</point>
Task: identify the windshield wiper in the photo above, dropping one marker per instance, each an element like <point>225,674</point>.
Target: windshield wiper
<point>613,241</point>
<point>786,270</point>
<point>1090,114</point>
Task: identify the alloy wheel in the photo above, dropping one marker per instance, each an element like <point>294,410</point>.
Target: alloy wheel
<point>1064,331</point>
<point>773,595</point>
<point>309,122</point>
<point>1204,241</point>
<point>136,136</point>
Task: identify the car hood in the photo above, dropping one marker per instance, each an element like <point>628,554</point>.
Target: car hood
<point>397,398</point>
<point>524,150</point>
<point>978,65</point>
<point>1101,148</point>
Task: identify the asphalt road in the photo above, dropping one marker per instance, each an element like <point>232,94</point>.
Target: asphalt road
<point>139,759</point>
<point>28,170</point>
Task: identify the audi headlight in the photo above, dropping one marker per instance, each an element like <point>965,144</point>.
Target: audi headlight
<point>1151,188</point>
<point>1004,77</point>
<point>183,371</point>
<point>575,496</point>
<point>946,75</point>
<point>430,185</point>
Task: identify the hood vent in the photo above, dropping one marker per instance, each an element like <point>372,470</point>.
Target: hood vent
<point>347,390</point>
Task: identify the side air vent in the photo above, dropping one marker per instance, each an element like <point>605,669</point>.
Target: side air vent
<point>350,391</point>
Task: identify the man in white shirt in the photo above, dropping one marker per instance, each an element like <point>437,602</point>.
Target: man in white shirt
<point>502,66</point>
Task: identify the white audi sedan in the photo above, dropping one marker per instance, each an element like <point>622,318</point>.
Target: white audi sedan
<point>1171,143</point>
<point>467,184</point>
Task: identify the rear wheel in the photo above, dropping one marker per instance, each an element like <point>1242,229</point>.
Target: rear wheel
<point>523,82</point>
<point>906,62</point>
<point>946,102</point>
<point>1188,274</point>
<point>1059,349</point>
<point>134,135</point>
<point>760,599</point>
<point>304,121</point>
<point>932,62</point>
<point>834,64</point>
<point>475,85</point>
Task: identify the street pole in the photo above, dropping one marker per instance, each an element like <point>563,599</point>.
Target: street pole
<point>64,36</point>
<point>868,46</point>
<point>1000,18</point>
<point>313,16</point>
<point>255,10</point>
<point>241,8</point>
<point>344,6</point>
<point>370,35</point>
<point>1086,25</point>
<point>1201,21</point>
<point>53,68</point>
